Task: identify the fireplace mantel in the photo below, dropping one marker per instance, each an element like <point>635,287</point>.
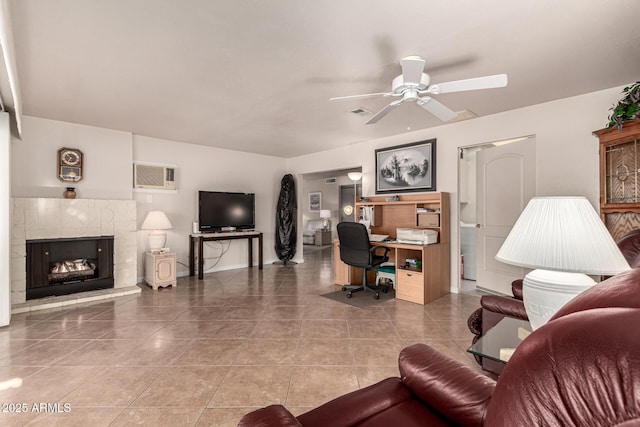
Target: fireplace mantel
<point>45,218</point>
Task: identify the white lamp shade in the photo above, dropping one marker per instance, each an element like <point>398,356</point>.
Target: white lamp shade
<point>562,234</point>
<point>156,220</point>
<point>564,240</point>
<point>325,213</point>
<point>354,176</point>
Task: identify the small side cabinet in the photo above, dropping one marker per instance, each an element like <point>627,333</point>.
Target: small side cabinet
<point>160,270</point>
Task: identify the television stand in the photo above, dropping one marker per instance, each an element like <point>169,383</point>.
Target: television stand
<point>200,238</point>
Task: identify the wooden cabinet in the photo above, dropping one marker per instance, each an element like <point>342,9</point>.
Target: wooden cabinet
<point>431,279</point>
<point>620,178</point>
<point>410,285</point>
<point>160,270</point>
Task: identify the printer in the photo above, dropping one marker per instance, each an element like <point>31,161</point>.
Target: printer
<point>416,236</point>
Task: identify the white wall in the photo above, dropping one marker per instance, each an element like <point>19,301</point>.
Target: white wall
<point>5,220</point>
<point>210,169</point>
<point>566,151</point>
<point>107,173</point>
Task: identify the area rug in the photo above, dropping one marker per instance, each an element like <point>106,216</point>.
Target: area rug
<point>360,299</point>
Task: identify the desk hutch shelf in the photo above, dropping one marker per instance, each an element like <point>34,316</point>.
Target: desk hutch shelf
<point>422,211</point>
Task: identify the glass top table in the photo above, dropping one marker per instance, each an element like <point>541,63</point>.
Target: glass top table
<point>500,342</point>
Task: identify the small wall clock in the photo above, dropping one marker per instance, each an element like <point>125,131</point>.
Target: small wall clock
<point>70,161</point>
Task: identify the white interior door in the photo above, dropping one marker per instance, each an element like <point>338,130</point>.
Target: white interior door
<point>505,181</point>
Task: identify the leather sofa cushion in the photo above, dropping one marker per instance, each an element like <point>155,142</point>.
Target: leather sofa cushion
<point>622,290</point>
<point>581,370</point>
<point>273,415</point>
<point>368,401</point>
<point>410,413</point>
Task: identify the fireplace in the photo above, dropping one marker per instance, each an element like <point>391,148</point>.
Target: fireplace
<point>68,265</point>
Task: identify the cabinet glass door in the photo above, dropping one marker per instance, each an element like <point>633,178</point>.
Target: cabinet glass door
<point>621,180</point>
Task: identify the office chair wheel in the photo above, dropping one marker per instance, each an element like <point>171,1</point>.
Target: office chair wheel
<point>344,288</point>
<point>348,294</point>
<point>376,296</point>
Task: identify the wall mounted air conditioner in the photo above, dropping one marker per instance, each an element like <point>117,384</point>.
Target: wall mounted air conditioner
<point>154,176</point>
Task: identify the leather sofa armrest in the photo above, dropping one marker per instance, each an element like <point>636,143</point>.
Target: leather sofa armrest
<point>274,415</point>
<point>504,305</point>
<point>516,289</point>
<point>451,388</point>
<point>355,407</point>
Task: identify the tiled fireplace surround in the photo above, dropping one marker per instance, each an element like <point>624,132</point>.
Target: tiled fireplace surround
<point>44,218</point>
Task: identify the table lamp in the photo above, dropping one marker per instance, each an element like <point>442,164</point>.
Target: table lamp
<point>157,222</point>
<point>563,239</point>
<point>325,214</point>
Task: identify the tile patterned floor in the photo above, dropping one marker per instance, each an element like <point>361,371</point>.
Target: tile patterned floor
<point>207,352</point>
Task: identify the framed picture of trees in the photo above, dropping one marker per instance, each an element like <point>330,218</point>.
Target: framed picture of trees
<point>406,168</point>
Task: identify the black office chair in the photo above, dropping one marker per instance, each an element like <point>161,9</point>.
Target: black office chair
<point>356,250</point>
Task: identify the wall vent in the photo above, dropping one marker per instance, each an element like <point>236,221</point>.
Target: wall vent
<point>330,181</point>
<point>360,111</point>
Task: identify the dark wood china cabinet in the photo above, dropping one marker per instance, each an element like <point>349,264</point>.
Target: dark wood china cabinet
<point>620,178</point>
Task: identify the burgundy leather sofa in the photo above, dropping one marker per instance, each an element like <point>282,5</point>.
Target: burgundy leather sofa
<point>582,368</point>
<point>494,308</point>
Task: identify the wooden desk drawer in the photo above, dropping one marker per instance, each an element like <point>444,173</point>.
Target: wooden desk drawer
<point>410,286</point>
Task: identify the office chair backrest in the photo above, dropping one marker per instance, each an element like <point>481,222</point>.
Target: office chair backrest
<point>354,244</point>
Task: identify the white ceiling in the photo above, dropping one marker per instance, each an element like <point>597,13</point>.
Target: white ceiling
<point>256,75</point>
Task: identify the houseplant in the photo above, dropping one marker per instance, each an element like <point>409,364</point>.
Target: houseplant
<point>628,108</point>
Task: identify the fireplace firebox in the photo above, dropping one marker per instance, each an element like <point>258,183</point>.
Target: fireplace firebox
<point>69,265</point>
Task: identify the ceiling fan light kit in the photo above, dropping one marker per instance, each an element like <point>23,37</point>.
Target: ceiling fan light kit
<point>413,83</point>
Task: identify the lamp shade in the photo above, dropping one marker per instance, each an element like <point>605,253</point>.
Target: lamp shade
<point>562,234</point>
<point>354,176</point>
<point>325,213</point>
<point>156,220</point>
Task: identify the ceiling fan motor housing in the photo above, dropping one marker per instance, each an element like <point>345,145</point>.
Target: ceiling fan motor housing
<point>398,85</point>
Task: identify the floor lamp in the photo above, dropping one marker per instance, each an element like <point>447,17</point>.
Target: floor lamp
<point>563,239</point>
<point>355,177</point>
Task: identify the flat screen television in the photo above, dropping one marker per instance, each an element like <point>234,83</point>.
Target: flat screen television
<point>222,211</point>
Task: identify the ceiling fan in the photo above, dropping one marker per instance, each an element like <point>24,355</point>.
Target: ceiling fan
<point>413,85</point>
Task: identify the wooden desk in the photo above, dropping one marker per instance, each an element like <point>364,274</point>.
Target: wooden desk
<point>420,211</point>
<point>419,286</point>
<point>200,238</point>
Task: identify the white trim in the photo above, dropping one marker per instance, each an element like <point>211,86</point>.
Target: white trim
<point>8,54</point>
<point>5,220</point>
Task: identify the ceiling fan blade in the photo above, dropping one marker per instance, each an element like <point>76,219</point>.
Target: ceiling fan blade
<point>487,82</point>
<point>366,95</point>
<point>439,110</point>
<point>386,110</point>
<point>412,68</point>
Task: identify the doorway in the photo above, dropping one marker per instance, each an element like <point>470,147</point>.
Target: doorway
<point>496,180</point>
<point>327,186</point>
